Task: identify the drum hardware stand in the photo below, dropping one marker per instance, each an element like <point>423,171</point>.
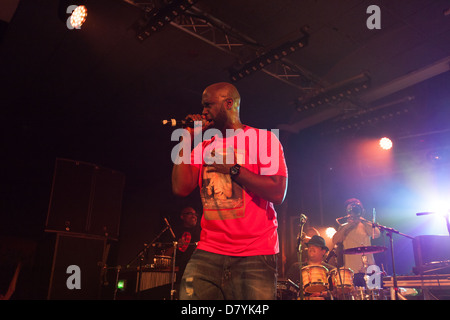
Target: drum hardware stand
<point>364,260</point>
<point>342,282</point>
<point>338,266</point>
<point>339,275</point>
<point>389,232</point>
<point>172,289</point>
<point>117,281</point>
<point>104,272</point>
<point>303,220</point>
<point>142,255</point>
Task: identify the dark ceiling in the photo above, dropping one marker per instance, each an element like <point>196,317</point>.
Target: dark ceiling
<point>104,66</point>
<point>98,94</point>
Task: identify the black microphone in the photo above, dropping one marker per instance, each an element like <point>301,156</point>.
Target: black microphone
<point>183,123</point>
<point>170,228</point>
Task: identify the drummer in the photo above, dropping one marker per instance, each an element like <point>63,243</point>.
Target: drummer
<point>187,234</point>
<point>316,251</point>
<point>356,232</point>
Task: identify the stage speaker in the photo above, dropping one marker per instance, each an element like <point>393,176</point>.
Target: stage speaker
<point>85,198</point>
<point>430,248</point>
<point>77,267</point>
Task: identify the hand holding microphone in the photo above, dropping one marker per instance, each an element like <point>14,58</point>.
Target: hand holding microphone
<point>188,122</point>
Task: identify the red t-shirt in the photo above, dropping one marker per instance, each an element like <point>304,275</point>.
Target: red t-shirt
<point>235,221</point>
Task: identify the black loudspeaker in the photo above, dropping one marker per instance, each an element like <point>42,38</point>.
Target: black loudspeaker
<point>86,199</point>
<point>77,267</point>
<point>431,252</point>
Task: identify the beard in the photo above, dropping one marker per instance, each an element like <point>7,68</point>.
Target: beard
<point>220,120</point>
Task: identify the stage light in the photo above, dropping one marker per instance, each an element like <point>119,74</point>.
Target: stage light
<point>439,216</point>
<point>78,17</point>
<point>385,143</point>
<point>330,231</point>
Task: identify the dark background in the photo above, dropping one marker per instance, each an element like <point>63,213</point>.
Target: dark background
<point>98,95</point>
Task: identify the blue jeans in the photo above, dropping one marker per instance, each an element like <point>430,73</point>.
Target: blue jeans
<point>210,276</point>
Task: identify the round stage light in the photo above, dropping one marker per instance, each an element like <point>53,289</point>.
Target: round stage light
<point>330,231</point>
<point>78,17</point>
<point>385,143</point>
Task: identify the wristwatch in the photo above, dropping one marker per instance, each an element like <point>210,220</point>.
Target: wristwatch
<point>235,170</point>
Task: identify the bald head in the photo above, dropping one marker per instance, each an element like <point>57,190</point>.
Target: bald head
<point>226,90</point>
<point>221,102</point>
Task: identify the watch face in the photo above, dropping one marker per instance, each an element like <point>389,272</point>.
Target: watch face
<point>234,170</point>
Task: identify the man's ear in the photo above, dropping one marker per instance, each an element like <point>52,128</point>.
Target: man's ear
<point>229,102</point>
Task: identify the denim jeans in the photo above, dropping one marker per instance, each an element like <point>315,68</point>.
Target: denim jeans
<point>210,276</point>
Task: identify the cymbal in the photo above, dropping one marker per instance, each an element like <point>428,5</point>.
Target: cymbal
<point>365,250</point>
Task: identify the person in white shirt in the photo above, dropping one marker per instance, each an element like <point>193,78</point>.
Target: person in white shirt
<point>357,232</point>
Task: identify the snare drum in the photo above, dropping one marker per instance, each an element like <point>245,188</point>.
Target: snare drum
<point>342,281</point>
<point>315,278</point>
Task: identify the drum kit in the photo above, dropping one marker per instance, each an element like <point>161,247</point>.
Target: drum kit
<point>317,281</point>
<point>163,262</point>
<point>320,282</point>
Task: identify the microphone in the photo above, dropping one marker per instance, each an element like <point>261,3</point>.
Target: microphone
<point>170,228</point>
<point>424,213</point>
<point>303,218</point>
<point>183,123</point>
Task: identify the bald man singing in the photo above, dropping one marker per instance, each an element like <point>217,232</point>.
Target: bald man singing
<point>241,174</point>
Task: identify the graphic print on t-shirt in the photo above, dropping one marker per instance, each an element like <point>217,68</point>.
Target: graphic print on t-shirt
<point>184,241</point>
<point>222,198</point>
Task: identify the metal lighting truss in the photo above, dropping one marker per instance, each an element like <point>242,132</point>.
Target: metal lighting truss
<point>218,34</point>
